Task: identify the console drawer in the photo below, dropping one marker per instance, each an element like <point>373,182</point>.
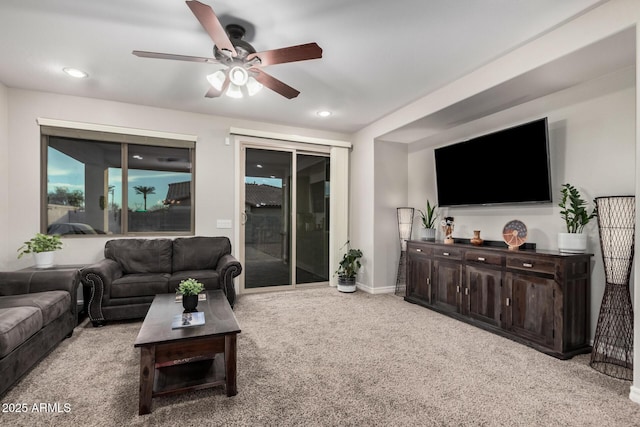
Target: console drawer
<point>413,249</point>
<point>484,258</point>
<point>447,253</point>
<point>538,265</point>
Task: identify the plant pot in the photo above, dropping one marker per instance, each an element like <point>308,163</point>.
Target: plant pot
<point>44,259</point>
<point>428,234</point>
<point>575,243</point>
<point>347,284</point>
<point>189,302</point>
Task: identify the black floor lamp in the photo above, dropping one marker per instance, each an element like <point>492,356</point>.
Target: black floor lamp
<point>405,224</point>
<point>612,352</point>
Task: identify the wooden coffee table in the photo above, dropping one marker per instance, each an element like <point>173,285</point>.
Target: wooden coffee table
<point>178,360</point>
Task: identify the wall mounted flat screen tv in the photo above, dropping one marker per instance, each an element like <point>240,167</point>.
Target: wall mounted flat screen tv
<point>510,166</point>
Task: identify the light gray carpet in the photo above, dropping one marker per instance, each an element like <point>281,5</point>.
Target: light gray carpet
<point>317,357</point>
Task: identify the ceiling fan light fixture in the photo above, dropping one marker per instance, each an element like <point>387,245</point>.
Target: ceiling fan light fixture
<point>216,80</point>
<point>238,76</point>
<point>253,86</point>
<point>233,91</point>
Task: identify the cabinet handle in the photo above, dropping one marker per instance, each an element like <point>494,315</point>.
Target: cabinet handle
<point>429,281</point>
<point>526,264</point>
<point>445,253</point>
<point>466,291</point>
<point>418,250</point>
<point>458,289</point>
<point>481,258</point>
<point>508,302</point>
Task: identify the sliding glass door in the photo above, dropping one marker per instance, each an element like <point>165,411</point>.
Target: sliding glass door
<point>282,249</point>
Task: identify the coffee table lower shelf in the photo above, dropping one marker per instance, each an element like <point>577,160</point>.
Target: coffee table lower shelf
<point>172,368</point>
<point>196,375</point>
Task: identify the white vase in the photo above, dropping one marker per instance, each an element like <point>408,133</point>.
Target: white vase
<point>428,234</point>
<point>44,259</point>
<point>574,243</point>
<point>347,285</point>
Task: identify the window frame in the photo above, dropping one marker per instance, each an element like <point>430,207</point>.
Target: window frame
<point>124,137</point>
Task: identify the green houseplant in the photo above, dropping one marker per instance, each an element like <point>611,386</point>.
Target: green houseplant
<point>42,246</point>
<point>574,212</point>
<point>190,288</point>
<point>428,217</point>
<point>348,269</point>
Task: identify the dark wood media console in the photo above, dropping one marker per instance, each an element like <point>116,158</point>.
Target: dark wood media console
<point>538,298</point>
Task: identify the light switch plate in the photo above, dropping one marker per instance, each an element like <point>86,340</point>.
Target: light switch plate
<point>223,223</point>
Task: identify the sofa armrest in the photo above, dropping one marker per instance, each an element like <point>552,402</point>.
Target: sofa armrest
<point>29,282</point>
<point>98,277</point>
<point>228,267</point>
<point>25,282</point>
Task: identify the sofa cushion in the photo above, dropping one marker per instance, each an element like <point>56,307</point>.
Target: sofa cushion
<point>51,303</point>
<point>209,278</point>
<point>140,255</point>
<point>17,324</point>
<point>136,285</point>
<point>199,253</point>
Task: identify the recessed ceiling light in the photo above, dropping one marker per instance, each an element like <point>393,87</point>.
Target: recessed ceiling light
<point>137,157</point>
<point>259,166</point>
<point>74,72</point>
<point>323,113</point>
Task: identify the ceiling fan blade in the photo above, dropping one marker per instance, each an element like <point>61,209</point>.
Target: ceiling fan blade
<point>275,84</point>
<point>212,25</point>
<point>157,55</point>
<point>214,93</point>
<point>300,52</point>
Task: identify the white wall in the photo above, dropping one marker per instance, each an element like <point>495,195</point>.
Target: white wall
<point>215,164</point>
<point>4,171</point>
<point>592,146</point>
<point>391,184</point>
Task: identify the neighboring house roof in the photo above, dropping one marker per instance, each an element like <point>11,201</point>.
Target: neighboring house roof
<point>178,191</point>
<point>261,195</point>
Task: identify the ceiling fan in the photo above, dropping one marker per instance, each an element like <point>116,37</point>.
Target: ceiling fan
<point>243,72</point>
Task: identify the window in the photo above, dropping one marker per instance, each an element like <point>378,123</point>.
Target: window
<point>102,183</point>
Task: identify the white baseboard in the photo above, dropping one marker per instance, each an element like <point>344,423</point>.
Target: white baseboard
<point>376,290</point>
<point>634,394</point>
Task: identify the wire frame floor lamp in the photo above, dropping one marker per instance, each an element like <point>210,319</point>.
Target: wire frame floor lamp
<point>612,352</point>
<point>405,224</point>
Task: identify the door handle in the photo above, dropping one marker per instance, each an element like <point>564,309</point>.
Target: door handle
<point>244,218</point>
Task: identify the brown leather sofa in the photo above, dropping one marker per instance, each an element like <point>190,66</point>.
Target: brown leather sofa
<point>37,311</point>
<point>123,284</point>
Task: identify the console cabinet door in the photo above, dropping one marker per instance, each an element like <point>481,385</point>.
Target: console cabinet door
<point>530,307</point>
<point>419,278</point>
<point>482,299</point>
<point>447,285</point>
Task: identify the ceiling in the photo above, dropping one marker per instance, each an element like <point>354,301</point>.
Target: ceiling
<point>378,56</point>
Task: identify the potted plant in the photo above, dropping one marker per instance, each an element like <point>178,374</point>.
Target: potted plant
<point>576,216</point>
<point>348,269</point>
<point>429,217</point>
<point>190,288</point>
<point>42,246</point>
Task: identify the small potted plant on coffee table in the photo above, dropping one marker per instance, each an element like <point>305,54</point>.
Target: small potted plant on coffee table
<point>190,288</point>
<point>42,246</point>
